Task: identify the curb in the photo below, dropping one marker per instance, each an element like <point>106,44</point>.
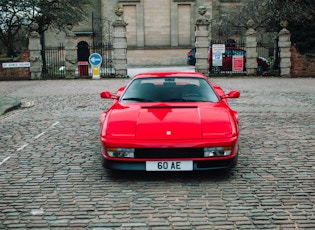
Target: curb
<point>9,103</point>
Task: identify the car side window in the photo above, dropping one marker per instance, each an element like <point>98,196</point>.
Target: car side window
<point>228,53</point>
<point>238,52</point>
<point>207,93</point>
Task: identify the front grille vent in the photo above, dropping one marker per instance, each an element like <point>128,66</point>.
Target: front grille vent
<point>169,153</point>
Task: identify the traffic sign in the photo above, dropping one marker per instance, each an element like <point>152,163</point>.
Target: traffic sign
<point>95,59</point>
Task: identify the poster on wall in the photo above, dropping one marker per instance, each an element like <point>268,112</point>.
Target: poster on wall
<point>238,63</point>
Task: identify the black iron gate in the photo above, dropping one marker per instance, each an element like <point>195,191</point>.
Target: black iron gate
<point>105,50</point>
<point>102,44</point>
<point>54,63</point>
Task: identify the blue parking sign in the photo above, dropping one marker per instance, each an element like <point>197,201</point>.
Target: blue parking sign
<point>217,59</point>
<point>217,56</point>
<point>95,59</point>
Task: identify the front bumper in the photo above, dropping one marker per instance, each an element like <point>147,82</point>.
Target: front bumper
<point>197,165</point>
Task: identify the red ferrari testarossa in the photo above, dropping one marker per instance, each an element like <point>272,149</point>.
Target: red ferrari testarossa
<point>171,121</point>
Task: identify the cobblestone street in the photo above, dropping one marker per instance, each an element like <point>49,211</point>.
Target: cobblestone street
<point>51,176</point>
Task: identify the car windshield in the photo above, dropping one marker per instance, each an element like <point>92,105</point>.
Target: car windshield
<point>169,89</point>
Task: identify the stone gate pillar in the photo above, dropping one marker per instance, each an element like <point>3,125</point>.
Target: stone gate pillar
<point>251,49</point>
<point>285,53</point>
<point>120,44</point>
<point>71,53</point>
<point>202,42</point>
<point>35,48</point>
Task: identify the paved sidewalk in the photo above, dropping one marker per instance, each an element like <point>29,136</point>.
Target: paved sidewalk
<point>8,103</point>
<point>51,175</point>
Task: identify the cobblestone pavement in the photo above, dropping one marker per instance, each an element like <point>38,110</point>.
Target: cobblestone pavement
<point>51,176</point>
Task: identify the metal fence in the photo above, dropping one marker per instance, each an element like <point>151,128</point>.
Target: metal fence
<point>271,53</point>
<point>105,50</point>
<point>224,63</point>
<point>233,60</point>
<point>53,65</point>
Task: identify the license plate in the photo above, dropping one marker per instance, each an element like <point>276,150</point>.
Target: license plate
<point>169,165</point>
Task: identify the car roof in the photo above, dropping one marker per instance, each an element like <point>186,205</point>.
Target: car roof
<point>170,74</point>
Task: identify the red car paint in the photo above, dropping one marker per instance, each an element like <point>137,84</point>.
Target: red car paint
<point>144,125</point>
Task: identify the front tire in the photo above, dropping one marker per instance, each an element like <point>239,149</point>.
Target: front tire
<point>234,162</point>
<point>103,162</point>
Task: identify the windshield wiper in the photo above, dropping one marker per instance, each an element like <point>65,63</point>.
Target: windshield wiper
<point>134,99</point>
<point>195,100</point>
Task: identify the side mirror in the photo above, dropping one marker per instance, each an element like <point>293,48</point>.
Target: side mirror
<point>232,94</point>
<point>106,95</point>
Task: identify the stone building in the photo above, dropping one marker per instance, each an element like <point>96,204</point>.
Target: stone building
<point>159,32</point>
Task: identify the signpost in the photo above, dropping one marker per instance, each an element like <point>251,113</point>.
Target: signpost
<point>217,51</point>
<point>95,60</point>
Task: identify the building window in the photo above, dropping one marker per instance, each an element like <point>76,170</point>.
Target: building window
<point>183,1</point>
<point>230,0</point>
<point>128,1</point>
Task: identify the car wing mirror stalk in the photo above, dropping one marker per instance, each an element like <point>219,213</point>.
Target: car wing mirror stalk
<point>231,94</point>
<point>108,95</point>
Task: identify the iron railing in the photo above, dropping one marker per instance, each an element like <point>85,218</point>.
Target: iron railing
<point>54,65</point>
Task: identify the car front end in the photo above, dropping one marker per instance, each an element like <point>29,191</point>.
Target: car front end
<point>175,157</point>
<point>169,122</point>
<point>158,137</point>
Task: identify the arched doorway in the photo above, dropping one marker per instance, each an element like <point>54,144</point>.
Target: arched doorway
<point>83,57</point>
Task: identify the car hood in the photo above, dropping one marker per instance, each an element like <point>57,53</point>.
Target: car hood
<point>163,121</point>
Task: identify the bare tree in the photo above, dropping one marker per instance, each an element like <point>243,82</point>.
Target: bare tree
<point>267,16</point>
<point>300,15</point>
<point>46,13</point>
<point>291,10</point>
<point>14,17</point>
<point>57,14</point>
<point>235,21</point>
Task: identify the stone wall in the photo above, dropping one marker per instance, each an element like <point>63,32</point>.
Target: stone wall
<point>157,57</point>
<point>152,25</point>
<point>302,65</point>
<point>16,73</point>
